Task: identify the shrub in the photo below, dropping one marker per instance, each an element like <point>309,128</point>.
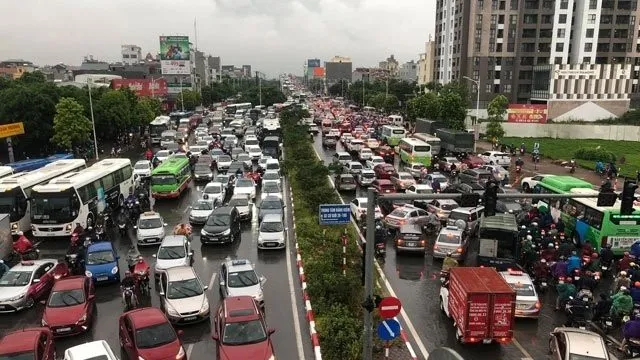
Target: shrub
<point>340,334</point>
<point>595,155</point>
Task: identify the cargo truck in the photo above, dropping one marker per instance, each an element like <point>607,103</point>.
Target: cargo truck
<point>481,304</point>
<point>498,244</point>
<point>454,141</point>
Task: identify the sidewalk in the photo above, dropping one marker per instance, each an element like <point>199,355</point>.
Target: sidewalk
<point>546,166</point>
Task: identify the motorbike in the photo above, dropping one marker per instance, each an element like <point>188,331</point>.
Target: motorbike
<point>129,298</point>
<point>572,166</point>
<point>605,268</point>
<point>381,250</point>
<point>605,323</point>
<point>578,313</point>
<point>99,233</point>
<point>32,254</point>
<point>72,262</point>
<point>143,201</point>
<point>256,177</point>
<point>141,270</point>
<point>632,347</point>
<point>518,169</point>
<point>122,228</point>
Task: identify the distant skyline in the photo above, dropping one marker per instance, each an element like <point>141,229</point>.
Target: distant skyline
<point>274,36</point>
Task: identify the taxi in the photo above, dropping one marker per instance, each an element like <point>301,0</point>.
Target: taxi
<point>27,282</point>
<point>527,303</point>
<point>150,228</point>
<point>239,277</point>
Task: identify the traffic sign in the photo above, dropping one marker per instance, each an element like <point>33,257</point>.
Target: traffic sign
<point>388,329</point>
<point>12,129</point>
<point>389,307</point>
<point>334,214</point>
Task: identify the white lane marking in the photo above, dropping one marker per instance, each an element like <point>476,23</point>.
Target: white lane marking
<point>189,350</point>
<point>213,279</point>
<point>292,294</point>
<point>522,349</point>
<point>403,313</point>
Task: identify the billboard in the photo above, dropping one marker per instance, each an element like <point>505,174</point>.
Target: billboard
<point>313,63</point>
<point>175,54</point>
<point>174,88</point>
<point>527,113</point>
<point>318,72</point>
<point>142,87</point>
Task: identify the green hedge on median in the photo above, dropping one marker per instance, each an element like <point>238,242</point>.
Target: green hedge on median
<point>336,299</point>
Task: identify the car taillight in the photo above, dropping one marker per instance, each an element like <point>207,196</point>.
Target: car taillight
<point>459,250</point>
<point>538,305</point>
<point>422,242</point>
<point>435,247</point>
<point>400,242</point>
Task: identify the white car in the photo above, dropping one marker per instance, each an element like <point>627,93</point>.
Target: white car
<point>527,303</point>
<point>272,164</point>
<point>200,211</point>
<point>496,158</point>
<point>215,193</point>
<point>182,296</point>
<point>373,161</point>
<point>246,187</point>
<point>197,149</point>
<point>372,143</point>
<point>365,154</point>
<point>175,250</point>
<point>272,233</point>
<point>443,180</point>
<point>162,155</point>
<point>271,176</point>
<point>262,163</point>
<point>529,183</point>
<point>270,189</point>
<point>98,349</point>
<point>245,159</point>
<point>142,168</point>
<point>419,189</point>
<point>239,278</point>
<point>499,172</point>
<point>150,228</point>
<point>254,151</point>
<point>359,207</point>
<point>223,162</point>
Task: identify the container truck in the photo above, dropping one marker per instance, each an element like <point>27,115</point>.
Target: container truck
<point>480,303</point>
<point>454,141</point>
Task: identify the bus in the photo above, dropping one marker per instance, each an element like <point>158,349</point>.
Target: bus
<point>434,141</point>
<point>584,220</point>
<point>157,127</point>
<point>171,178</point>
<point>5,171</point>
<point>392,134</point>
<point>231,109</point>
<point>78,197</point>
<point>177,115</point>
<point>396,120</point>
<point>414,151</point>
<point>15,190</point>
<point>168,137</point>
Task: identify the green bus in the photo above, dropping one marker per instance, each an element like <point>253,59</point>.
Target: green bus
<point>170,178</point>
<point>392,134</point>
<point>584,220</point>
<point>414,151</point>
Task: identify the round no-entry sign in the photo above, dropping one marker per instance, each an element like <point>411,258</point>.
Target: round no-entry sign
<point>389,307</point>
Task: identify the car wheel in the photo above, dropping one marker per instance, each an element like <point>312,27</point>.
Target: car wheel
<point>490,162</point>
<point>526,187</point>
<point>29,303</point>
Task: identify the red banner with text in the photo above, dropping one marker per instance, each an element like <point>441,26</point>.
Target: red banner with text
<point>143,87</point>
<point>527,113</point>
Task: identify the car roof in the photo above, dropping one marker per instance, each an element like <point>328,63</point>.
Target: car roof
<point>180,273</point>
<point>69,283</point>
<point>272,198</point>
<point>20,340</point>
<point>383,181</point>
<point>31,265</point>
<point>145,317</point>
<point>451,230</point>
<point>223,210</point>
<point>513,278</point>
<point>411,228</point>
<point>238,264</point>
<point>447,201</point>
<point>422,186</point>
<point>89,350</point>
<point>272,218</point>
<point>213,183</point>
<point>150,215</point>
<point>467,210</point>
<point>586,343</point>
<point>146,162</point>
<point>99,246</point>
<point>173,240</point>
<point>240,308</point>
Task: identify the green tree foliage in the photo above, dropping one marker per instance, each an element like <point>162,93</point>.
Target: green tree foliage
<point>113,114</point>
<point>146,110</point>
<point>448,105</point>
<point>270,95</point>
<point>35,77</point>
<point>340,88</point>
<point>70,126</point>
<point>496,109</point>
<point>191,100</point>
<point>217,92</point>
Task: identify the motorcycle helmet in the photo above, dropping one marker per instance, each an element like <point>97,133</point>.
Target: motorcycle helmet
<point>543,261</point>
<point>529,237</point>
<point>636,284</point>
<point>534,224</point>
<point>542,232</point>
<point>623,274</point>
<point>523,227</point>
<point>553,226</point>
<point>568,279</point>
<point>550,245</point>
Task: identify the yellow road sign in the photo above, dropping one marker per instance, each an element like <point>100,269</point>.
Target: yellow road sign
<point>13,129</point>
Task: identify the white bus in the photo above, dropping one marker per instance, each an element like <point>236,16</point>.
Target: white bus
<point>79,197</point>
<point>157,126</point>
<point>434,141</point>
<point>5,171</point>
<point>231,109</point>
<point>15,190</point>
<point>414,151</point>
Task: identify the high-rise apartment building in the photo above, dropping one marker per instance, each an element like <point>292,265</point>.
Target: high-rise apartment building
<point>497,43</point>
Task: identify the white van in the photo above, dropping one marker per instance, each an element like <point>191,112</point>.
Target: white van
<point>168,137</point>
<point>342,157</point>
<point>396,120</point>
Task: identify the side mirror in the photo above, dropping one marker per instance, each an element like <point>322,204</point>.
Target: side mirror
<point>154,255</point>
<point>92,296</point>
<point>263,280</point>
<point>215,337</point>
<point>206,287</point>
<point>43,302</point>
<point>191,253</point>
<point>270,331</point>
<point>222,283</point>
<point>180,332</point>
<point>161,293</point>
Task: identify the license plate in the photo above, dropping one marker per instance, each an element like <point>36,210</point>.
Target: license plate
<point>150,240</point>
<point>271,244</point>
<point>64,329</point>
<point>486,341</point>
<point>605,268</point>
<point>521,307</point>
<point>410,244</point>
<point>3,307</point>
<point>577,277</point>
<point>102,278</point>
<point>190,318</point>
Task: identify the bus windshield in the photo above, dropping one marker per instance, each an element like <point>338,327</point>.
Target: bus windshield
<point>54,208</point>
<point>14,203</point>
<point>418,148</point>
<point>163,180</point>
<point>157,129</point>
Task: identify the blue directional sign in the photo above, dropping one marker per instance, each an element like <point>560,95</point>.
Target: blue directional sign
<point>388,329</point>
<point>334,214</point>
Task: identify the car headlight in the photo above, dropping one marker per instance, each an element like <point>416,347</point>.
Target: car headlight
<point>205,307</point>
<point>114,270</point>
<point>204,233</point>
<point>180,353</point>
<point>82,319</point>
<point>226,232</point>
<point>88,273</point>
<point>171,311</point>
<point>259,238</point>
<point>16,298</point>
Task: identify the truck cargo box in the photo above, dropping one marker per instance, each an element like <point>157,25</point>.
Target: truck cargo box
<point>455,141</point>
<point>428,126</point>
<point>481,304</point>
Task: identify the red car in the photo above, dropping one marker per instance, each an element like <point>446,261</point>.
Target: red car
<point>70,307</point>
<point>33,344</point>
<point>147,334</point>
<point>385,171</point>
<point>384,186</point>
<point>473,161</point>
<point>240,330</point>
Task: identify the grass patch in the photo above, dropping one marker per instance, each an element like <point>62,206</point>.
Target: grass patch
<point>627,152</point>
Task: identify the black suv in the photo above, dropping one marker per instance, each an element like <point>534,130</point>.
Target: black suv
<point>222,226</point>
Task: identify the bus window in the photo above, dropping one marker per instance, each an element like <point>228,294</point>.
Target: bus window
<point>593,217</point>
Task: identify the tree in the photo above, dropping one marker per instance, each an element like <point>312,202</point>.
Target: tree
<point>496,109</point>
<point>453,110</point>
<point>70,126</point>
<point>146,110</point>
<point>191,100</point>
<point>270,95</point>
<point>113,114</point>
<point>35,77</point>
<point>340,88</point>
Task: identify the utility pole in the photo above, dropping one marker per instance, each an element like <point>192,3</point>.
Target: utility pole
<point>93,121</point>
<point>181,94</point>
<point>367,346</point>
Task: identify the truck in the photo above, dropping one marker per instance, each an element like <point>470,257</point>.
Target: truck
<point>498,244</point>
<point>6,241</point>
<point>271,146</point>
<point>428,126</point>
<point>481,304</point>
<point>454,141</point>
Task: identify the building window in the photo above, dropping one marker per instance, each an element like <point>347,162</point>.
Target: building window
<point>561,33</point>
<point>499,47</point>
<point>476,60</point>
<point>564,4</point>
<point>531,4</point>
<point>508,74</point>
<point>511,46</point>
<point>559,47</point>
<point>513,19</point>
<point>476,74</point>
<point>547,4</point>
<point>586,60</point>
<point>606,19</point>
<point>591,19</point>
<point>557,60</point>
<point>492,47</point>
<point>476,46</point>
<point>622,19</point>
<point>480,4</point>
<point>514,4</point>
<point>562,19</point>
<point>546,33</point>
<point>506,88</point>
<point>546,19</point>
<point>603,47</point>
<point>588,47</point>
<point>533,18</point>
<point>488,88</point>
<point>620,33</point>
<point>501,19</point>
<point>500,33</point>
<point>593,4</point>
<point>529,33</point>
<point>590,33</point>
<point>604,33</point>
<point>494,4</point>
<point>496,88</point>
<point>490,75</point>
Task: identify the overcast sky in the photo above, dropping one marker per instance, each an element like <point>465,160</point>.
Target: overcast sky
<point>273,36</point>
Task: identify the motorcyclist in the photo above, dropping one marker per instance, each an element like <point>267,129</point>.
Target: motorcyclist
<point>78,229</point>
<point>549,254</point>
<point>122,217</point>
<point>578,309</point>
<point>131,198</point>
<point>148,154</point>
<point>588,281</point>
<point>602,306</point>
<point>540,269</point>
<point>132,257</point>
<point>127,281</point>
<point>634,272</point>
<point>635,292</point>
<point>565,289</point>
<point>565,248</point>
<point>622,303</point>
<point>448,263</point>
<point>522,233</point>
<point>528,252</point>
<point>622,281</point>
<point>182,229</point>
<point>594,263</point>
<point>23,244</point>
<point>606,255</point>
<point>574,262</point>
<point>553,231</point>
<point>560,225</point>
<point>519,162</point>
<point>630,330</point>
<point>435,185</point>
<point>559,269</point>
<point>635,249</point>
<point>625,263</point>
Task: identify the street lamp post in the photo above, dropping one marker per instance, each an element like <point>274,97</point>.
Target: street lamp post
<point>475,123</point>
<point>181,94</point>
<point>93,122</point>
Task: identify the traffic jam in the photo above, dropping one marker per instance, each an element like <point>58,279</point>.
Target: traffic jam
<point>91,262</point>
<point>533,277</point>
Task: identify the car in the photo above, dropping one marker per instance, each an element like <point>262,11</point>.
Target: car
<point>402,180</point>
<point>313,129</point>
<point>175,250</point>
<point>262,162</point>
<point>222,179</point>
<point>150,228</point>
<point>528,183</point>
<point>270,189</point>
<point>479,176</point>
<point>235,152</point>
<point>271,205</point>
<point>222,226</point>
<point>71,305</point>
<point>511,206</point>
<point>383,186</point>
<point>567,343</point>
<point>162,155</point>
<point>93,350</point>
<point>146,333</point>
<point>329,141</point>
<point>215,193</point>
<point>244,206</point>
<point>419,189</point>
<point>405,215</point>
<point>462,188</point>
<point>27,282</point>
<point>445,163</point>
<point>202,172</point>
<point>473,161</point>
<point>442,208</point>
<point>272,164</point>
<point>196,150</point>
<point>470,215</point>
<point>182,296</point>
<point>353,168</point>
<point>359,206</point>
<point>366,177</point>
<point>238,277</point>
<point>101,262</point>
<point>199,211</point>
<point>410,238</point>
<point>223,162</point>
<point>415,169</point>
<point>254,151</point>
<point>527,303</point>
<point>237,169</point>
<point>272,234</point>
<point>450,240</point>
<point>271,176</point>
<point>28,343</point>
<point>496,158</point>
<point>342,157</point>
<point>345,182</point>
<point>365,154</point>
<point>372,143</point>
<point>499,173</point>
<point>215,153</point>
<point>437,177</point>
<point>385,171</point>
<point>142,168</point>
<point>245,159</point>
<point>245,187</point>
<point>240,330</point>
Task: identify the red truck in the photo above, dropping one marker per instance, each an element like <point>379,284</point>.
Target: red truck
<point>481,304</point>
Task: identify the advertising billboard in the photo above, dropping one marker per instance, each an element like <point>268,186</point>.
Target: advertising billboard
<point>174,88</point>
<point>175,54</point>
<point>318,72</point>
<point>142,87</point>
<point>527,113</point>
<point>313,63</point>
